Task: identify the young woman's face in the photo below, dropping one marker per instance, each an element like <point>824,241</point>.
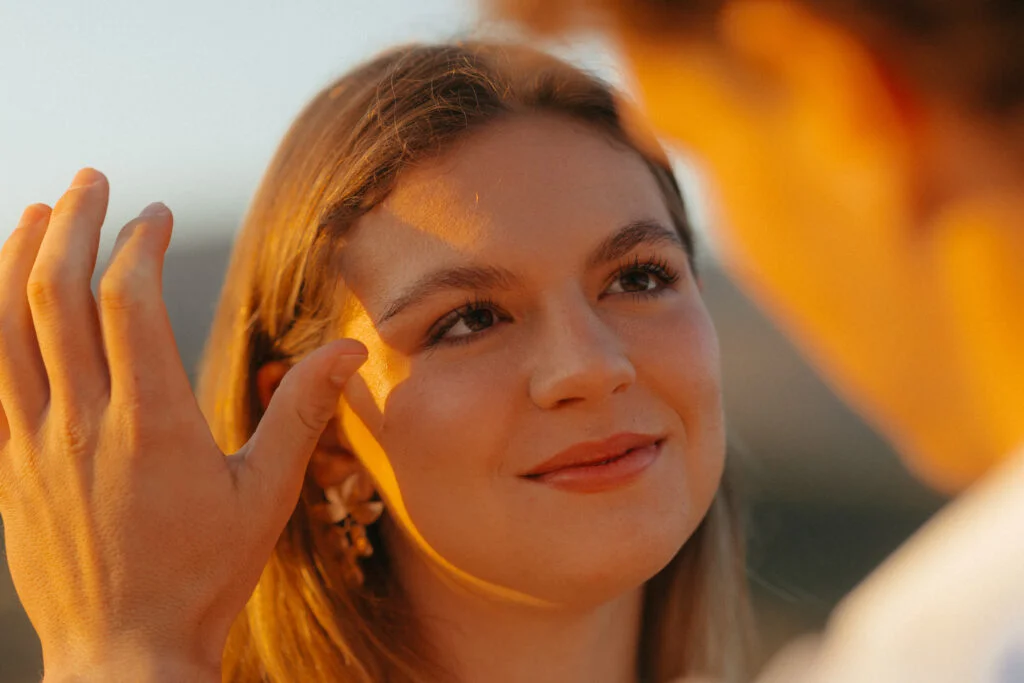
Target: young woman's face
<point>524,294</point>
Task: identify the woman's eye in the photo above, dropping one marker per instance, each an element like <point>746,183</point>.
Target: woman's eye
<point>475,320</point>
<point>633,281</point>
<point>648,278</point>
<point>464,323</point>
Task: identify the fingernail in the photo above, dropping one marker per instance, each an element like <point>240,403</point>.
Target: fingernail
<point>351,347</point>
<point>155,209</point>
<point>346,364</point>
<point>86,177</point>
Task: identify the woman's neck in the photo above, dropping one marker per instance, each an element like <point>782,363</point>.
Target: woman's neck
<point>485,640</point>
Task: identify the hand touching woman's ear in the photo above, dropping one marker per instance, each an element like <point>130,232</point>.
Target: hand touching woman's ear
<point>133,540</point>
<point>332,461</point>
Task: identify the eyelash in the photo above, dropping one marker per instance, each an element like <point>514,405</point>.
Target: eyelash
<point>658,267</point>
<point>451,319</point>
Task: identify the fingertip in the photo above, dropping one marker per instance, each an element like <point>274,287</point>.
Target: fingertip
<point>157,215</point>
<point>156,221</point>
<point>86,177</point>
<point>155,209</point>
<point>346,361</point>
<point>34,214</point>
<point>351,347</point>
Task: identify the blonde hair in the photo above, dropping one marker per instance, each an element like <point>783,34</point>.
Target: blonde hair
<point>341,157</point>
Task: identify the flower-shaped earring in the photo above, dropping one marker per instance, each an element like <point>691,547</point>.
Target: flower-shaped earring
<point>348,510</point>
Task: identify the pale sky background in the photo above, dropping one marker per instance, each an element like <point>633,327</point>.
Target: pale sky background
<point>183,102</point>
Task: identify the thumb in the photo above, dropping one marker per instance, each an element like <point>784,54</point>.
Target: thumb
<point>277,454</point>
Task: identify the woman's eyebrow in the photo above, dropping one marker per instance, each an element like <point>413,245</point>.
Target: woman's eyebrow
<point>631,236</point>
<point>462,277</point>
<point>471,278</point>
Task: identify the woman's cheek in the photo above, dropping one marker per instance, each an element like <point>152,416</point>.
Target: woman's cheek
<point>680,342</point>
<point>681,360</point>
<point>445,434</point>
<point>451,405</point>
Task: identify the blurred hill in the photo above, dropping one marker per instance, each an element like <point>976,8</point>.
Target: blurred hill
<point>826,498</point>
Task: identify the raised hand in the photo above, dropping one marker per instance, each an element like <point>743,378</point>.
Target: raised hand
<point>133,541</point>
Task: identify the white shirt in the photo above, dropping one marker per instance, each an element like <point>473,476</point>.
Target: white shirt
<point>947,607</point>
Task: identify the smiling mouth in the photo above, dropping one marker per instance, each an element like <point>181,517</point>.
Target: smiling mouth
<point>592,454</point>
<point>596,463</point>
<point>605,474</point>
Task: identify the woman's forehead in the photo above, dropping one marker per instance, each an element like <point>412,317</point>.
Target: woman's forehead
<point>520,206</point>
<point>527,183</point>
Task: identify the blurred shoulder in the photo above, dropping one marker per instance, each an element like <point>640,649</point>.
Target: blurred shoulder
<point>949,604</point>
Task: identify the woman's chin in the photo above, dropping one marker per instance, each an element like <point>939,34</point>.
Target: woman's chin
<point>596,576</point>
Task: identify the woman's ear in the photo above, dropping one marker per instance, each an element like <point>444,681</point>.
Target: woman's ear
<point>332,461</point>
<point>268,378</point>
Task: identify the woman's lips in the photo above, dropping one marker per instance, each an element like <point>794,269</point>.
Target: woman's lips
<point>594,452</point>
<point>604,475</point>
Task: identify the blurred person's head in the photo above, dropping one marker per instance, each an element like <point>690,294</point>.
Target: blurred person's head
<point>867,158</point>
<point>523,277</point>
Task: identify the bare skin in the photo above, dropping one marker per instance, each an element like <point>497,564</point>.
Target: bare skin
<point>107,464</point>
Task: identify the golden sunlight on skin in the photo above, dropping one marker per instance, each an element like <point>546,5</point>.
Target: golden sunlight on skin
<point>814,177</point>
<point>426,204</point>
<point>447,430</point>
<point>384,367</point>
<point>362,414</point>
<point>376,462</point>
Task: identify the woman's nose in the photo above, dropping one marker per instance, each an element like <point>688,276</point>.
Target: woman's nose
<point>579,358</point>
